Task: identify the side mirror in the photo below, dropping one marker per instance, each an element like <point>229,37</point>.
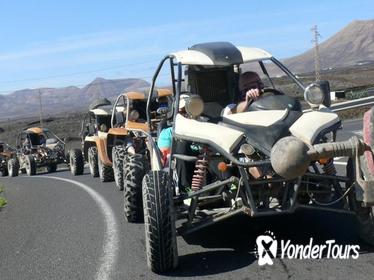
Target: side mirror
<point>325,86</point>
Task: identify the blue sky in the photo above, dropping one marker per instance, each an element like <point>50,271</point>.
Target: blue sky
<point>62,43</point>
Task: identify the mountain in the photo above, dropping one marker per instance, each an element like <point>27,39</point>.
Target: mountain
<point>26,102</point>
<point>352,45</point>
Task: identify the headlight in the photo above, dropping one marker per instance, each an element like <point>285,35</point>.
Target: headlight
<point>314,95</point>
<point>194,105</point>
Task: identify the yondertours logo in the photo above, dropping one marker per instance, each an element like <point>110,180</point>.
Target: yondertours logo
<point>267,249</point>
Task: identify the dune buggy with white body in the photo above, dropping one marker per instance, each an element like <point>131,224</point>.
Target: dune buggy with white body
<point>94,131</point>
<point>37,147</point>
<point>7,155</point>
<point>126,145</point>
<point>292,151</point>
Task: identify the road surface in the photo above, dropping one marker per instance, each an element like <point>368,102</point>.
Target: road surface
<point>72,228</point>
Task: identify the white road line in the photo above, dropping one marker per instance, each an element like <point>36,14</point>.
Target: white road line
<point>110,247</point>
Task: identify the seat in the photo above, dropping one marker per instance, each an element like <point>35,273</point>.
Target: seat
<point>217,87</point>
<point>119,118</point>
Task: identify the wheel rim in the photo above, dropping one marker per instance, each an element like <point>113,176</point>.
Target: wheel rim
<point>72,165</point>
<point>10,168</point>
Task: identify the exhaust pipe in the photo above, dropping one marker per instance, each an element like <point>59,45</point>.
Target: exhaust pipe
<point>291,157</point>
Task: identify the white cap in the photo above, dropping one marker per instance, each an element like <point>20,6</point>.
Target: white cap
<point>182,100</point>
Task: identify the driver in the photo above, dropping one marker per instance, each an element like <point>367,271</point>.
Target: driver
<point>250,87</point>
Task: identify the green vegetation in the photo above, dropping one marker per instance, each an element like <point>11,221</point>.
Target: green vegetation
<point>3,201</point>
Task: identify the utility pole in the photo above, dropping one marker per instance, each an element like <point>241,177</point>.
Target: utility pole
<point>317,58</point>
<point>8,130</point>
<point>40,109</point>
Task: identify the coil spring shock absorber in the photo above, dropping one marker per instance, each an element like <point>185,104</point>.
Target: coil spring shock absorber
<point>199,176</point>
<point>329,167</point>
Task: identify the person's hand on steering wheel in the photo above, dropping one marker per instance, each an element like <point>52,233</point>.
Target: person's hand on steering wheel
<point>252,94</point>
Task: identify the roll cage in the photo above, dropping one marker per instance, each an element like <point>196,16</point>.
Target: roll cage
<point>217,63</point>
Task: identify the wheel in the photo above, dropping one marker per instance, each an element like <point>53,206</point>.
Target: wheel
<point>30,165</point>
<point>92,161</point>
<point>134,168</point>
<point>118,155</point>
<point>13,167</point>
<point>159,222</point>
<point>105,172</point>
<point>4,171</point>
<point>76,162</point>
<point>52,168</point>
<point>23,170</point>
<point>365,215</point>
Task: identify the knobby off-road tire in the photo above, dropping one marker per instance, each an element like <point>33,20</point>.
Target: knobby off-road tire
<point>92,161</point>
<point>365,215</point>
<point>159,222</point>
<point>5,172</point>
<point>118,156</point>
<point>76,162</point>
<point>30,165</point>
<point>52,168</point>
<point>13,167</point>
<point>134,169</point>
<point>105,172</point>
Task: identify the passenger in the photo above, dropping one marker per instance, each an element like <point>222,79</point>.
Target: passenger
<point>42,139</point>
<point>165,138</point>
<point>250,87</point>
<point>184,169</point>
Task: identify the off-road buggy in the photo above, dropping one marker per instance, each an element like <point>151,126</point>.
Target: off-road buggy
<point>94,131</point>
<point>6,154</point>
<point>292,150</point>
<point>126,144</point>
<point>37,147</point>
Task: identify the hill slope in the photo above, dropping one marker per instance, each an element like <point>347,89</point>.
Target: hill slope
<point>25,103</point>
<point>352,45</point>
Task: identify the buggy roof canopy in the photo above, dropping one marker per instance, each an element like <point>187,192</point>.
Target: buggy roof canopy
<point>143,95</point>
<point>36,130</point>
<point>219,54</point>
<point>102,110</point>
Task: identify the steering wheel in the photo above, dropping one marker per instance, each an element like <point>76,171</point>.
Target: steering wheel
<point>268,100</point>
<point>271,91</point>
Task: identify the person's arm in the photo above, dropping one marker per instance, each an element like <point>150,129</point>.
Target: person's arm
<point>250,96</point>
<point>242,106</point>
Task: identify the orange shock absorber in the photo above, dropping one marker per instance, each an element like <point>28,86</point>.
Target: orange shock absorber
<point>199,176</point>
<point>328,167</point>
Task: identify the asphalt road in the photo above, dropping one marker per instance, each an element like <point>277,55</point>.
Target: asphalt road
<point>54,229</point>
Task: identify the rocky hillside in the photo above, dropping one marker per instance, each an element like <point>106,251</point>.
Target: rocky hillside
<point>25,103</point>
<point>353,45</point>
